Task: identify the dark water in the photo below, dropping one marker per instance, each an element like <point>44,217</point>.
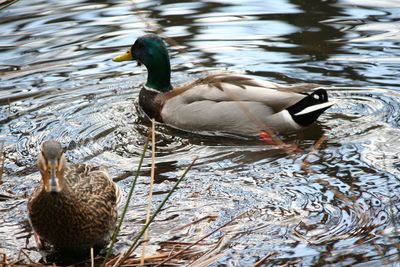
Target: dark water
<point>58,82</point>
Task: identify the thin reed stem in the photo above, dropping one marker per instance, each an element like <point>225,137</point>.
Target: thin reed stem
<point>8,3</point>
<point>2,159</point>
<point>91,257</point>
<point>118,229</point>
<point>261,262</point>
<point>153,167</point>
<point>157,211</point>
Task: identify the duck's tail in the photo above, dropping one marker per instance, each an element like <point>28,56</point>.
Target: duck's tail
<point>307,110</point>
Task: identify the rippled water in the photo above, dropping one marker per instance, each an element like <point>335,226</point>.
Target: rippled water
<point>58,82</point>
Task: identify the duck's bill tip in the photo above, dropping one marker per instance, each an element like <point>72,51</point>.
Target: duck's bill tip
<point>52,189</point>
<point>123,57</point>
<point>53,185</point>
<point>55,190</point>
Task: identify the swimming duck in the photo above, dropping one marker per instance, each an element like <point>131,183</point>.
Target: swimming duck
<point>223,102</point>
<point>74,208</point>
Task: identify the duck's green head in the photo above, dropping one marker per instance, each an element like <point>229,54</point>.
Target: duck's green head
<point>151,51</point>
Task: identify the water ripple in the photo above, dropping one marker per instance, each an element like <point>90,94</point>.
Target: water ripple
<point>58,82</point>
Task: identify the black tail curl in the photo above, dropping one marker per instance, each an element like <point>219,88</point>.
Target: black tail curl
<point>319,96</point>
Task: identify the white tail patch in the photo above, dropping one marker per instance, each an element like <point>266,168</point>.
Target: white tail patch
<point>315,108</point>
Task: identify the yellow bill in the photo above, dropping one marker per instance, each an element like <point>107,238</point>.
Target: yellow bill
<point>123,57</point>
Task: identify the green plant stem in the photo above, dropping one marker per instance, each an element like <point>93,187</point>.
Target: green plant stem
<point>2,159</point>
<point>117,230</point>
<point>129,251</point>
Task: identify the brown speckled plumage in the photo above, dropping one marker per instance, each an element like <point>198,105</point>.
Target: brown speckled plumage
<point>84,211</point>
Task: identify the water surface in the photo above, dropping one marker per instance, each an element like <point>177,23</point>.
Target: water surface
<point>58,82</point>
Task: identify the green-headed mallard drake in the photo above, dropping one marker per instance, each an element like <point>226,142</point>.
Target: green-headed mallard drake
<point>221,102</point>
<point>74,208</point>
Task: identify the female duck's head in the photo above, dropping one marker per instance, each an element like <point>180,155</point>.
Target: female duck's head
<point>151,51</point>
<point>51,163</point>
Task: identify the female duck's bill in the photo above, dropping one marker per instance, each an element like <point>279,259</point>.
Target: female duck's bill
<point>223,102</point>
<point>51,163</point>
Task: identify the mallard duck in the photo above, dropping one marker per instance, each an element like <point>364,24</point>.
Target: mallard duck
<point>74,208</point>
<point>223,102</point>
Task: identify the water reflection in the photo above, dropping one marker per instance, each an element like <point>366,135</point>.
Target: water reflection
<point>58,82</point>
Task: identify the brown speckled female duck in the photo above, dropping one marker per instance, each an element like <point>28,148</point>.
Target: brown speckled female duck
<point>75,207</point>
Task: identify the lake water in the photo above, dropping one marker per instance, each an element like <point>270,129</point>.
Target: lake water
<point>58,82</point>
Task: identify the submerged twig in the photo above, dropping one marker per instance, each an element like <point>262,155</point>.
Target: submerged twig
<point>4,260</point>
<point>261,262</point>
<point>211,217</point>
<point>204,237</point>
<point>208,261</point>
<point>7,3</point>
<point>27,256</point>
<point>306,164</point>
<point>18,260</point>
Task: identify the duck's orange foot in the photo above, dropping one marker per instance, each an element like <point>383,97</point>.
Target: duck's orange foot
<point>270,141</point>
<point>267,138</point>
